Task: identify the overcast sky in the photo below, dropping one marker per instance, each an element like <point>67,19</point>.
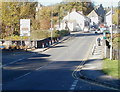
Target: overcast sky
<point>105,3</point>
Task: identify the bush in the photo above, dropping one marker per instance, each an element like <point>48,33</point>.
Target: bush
<point>39,34</point>
<point>55,33</point>
<point>64,32</point>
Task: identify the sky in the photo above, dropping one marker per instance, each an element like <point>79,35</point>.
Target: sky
<point>105,3</point>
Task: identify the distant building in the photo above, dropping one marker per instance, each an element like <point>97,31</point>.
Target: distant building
<point>108,18</point>
<point>75,21</point>
<point>39,7</point>
<point>97,16</point>
<point>101,12</point>
<point>95,19</point>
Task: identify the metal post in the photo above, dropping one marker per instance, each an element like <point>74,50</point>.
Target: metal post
<point>21,41</point>
<point>111,50</point>
<point>29,42</point>
<point>59,17</point>
<point>51,23</point>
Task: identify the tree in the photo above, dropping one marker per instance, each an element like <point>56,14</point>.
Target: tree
<point>115,16</point>
<point>44,17</point>
<point>12,12</point>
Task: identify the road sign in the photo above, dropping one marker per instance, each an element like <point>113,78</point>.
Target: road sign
<point>104,35</point>
<point>24,27</point>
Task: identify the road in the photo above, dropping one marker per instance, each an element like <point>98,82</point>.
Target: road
<point>50,70</point>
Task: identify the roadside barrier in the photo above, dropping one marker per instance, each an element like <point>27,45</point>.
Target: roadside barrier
<point>13,45</point>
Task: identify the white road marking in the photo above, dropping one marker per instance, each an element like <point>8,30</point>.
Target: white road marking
<point>75,82</point>
<point>16,61</point>
<point>39,68</point>
<point>13,62</point>
<point>74,85</point>
<point>45,65</point>
<point>22,76</point>
<point>72,88</point>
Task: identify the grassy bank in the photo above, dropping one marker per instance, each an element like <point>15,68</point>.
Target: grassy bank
<point>40,34</point>
<point>110,67</point>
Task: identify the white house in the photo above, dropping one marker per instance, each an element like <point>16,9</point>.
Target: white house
<point>108,18</point>
<point>95,19</point>
<point>74,21</point>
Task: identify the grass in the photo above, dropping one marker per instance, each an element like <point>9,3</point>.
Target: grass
<point>39,34</point>
<point>110,67</point>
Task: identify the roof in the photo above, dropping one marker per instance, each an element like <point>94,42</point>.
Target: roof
<point>92,13</point>
<point>109,12</point>
<point>100,11</point>
<point>71,17</point>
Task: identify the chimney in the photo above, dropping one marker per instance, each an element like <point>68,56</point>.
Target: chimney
<point>68,13</point>
<point>81,12</point>
<point>73,9</point>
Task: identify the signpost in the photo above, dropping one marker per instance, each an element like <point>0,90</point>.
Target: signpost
<point>111,34</point>
<point>24,28</point>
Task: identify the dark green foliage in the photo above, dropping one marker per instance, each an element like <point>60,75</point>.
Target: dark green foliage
<point>57,33</point>
<point>64,32</point>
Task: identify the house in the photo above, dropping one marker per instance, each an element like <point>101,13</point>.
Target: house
<point>95,19</point>
<point>97,15</point>
<point>74,21</point>
<point>108,18</point>
<point>101,12</point>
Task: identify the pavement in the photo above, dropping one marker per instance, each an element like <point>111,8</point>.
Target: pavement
<point>92,70</point>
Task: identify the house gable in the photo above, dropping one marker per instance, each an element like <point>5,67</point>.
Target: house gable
<point>93,14</point>
<point>74,21</point>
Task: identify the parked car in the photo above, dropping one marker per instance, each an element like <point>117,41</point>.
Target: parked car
<point>86,29</point>
<point>97,31</point>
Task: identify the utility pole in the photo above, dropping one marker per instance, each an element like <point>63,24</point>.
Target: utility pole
<point>59,17</point>
<point>51,29</point>
<point>111,33</point>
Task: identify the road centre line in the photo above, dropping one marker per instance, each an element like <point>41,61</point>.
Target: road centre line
<point>72,88</point>
<point>40,67</point>
<point>45,65</point>
<point>73,85</point>
<point>18,60</point>
<point>22,76</point>
<point>13,62</point>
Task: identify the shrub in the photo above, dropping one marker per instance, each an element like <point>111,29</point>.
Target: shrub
<point>64,32</point>
<point>55,33</point>
<point>40,34</point>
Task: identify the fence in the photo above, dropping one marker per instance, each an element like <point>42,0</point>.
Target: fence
<point>115,51</point>
<point>11,44</point>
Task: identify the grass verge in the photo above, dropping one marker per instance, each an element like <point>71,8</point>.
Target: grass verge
<point>111,67</point>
